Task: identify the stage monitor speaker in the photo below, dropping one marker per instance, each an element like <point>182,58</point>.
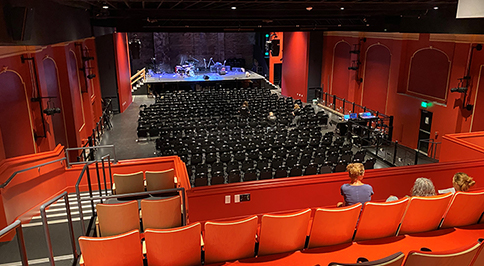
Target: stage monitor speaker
<point>19,22</point>
<point>275,47</point>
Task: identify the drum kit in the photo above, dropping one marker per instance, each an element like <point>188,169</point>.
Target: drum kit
<point>189,67</point>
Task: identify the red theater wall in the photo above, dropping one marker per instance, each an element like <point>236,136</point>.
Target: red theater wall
<point>123,70</point>
<point>295,65</point>
<point>53,72</point>
<point>400,71</point>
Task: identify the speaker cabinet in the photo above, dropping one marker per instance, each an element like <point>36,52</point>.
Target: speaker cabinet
<point>275,47</point>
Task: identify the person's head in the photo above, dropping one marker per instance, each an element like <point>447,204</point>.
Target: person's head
<point>245,103</point>
<point>423,187</point>
<point>296,106</point>
<point>462,182</point>
<point>355,171</point>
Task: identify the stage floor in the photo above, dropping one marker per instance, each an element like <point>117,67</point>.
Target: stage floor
<point>230,76</point>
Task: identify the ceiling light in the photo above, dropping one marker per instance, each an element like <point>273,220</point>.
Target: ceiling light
<point>234,7</point>
<point>367,25</point>
<point>436,7</point>
<point>105,6</point>
<point>339,25</point>
<point>309,8</point>
<point>342,8</point>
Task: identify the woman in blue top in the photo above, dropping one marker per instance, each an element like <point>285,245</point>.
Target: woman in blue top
<point>355,191</point>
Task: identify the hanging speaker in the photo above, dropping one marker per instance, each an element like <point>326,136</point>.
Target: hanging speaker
<point>275,47</point>
<point>19,22</point>
<point>135,48</point>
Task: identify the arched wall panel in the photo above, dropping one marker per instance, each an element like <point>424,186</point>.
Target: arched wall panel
<point>14,116</point>
<point>75,91</point>
<point>53,90</point>
<point>341,74</point>
<point>429,74</point>
<point>377,74</point>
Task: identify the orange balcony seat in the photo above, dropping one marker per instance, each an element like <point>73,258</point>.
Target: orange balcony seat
<point>128,183</point>
<point>379,220</point>
<point>161,214</point>
<point>230,240</point>
<point>158,180</point>
<point>459,257</point>
<point>283,233</point>
<point>177,246</point>
<point>119,250</point>
<point>115,219</point>
<point>392,260</point>
<point>424,213</point>
<point>334,226</point>
<point>464,209</point>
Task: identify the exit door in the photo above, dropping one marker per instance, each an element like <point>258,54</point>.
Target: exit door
<point>424,131</point>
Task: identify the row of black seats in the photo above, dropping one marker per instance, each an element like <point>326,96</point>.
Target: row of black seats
<point>203,178</point>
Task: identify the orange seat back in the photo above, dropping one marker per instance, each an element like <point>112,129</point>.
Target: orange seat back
<point>326,232</point>
<point>424,213</point>
<point>177,246</point>
<point>392,260</point>
<point>129,183</point>
<point>479,258</point>
<point>283,233</point>
<point>115,219</point>
<point>378,220</point>
<point>161,214</point>
<point>230,240</point>
<point>463,257</point>
<point>160,180</point>
<point>464,209</point>
<point>119,250</point>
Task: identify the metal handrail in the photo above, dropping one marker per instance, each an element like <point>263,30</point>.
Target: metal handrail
<point>140,74</point>
<point>17,225</point>
<point>69,163</point>
<point>30,168</point>
<point>46,226</point>
<point>78,192</point>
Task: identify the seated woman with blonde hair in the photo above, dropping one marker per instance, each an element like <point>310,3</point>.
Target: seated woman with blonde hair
<point>462,182</point>
<point>355,191</point>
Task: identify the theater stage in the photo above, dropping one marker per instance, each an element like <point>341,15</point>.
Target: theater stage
<point>173,81</point>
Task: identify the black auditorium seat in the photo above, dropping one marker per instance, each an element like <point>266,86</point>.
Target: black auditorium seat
<point>217,178</point>
<point>296,171</point>
<point>250,174</point>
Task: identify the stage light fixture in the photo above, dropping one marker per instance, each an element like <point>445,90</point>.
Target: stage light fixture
<point>91,76</point>
<point>459,89</point>
<point>52,111</point>
<point>105,6</point>
<point>234,7</point>
<point>436,7</point>
<point>309,8</point>
<point>342,8</point>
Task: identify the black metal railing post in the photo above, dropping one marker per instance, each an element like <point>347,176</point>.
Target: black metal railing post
<point>395,150</point>
<point>46,226</point>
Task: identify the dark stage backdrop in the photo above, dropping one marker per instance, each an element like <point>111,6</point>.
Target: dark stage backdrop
<point>168,48</point>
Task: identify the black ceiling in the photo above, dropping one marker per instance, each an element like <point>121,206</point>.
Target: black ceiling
<point>279,15</point>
